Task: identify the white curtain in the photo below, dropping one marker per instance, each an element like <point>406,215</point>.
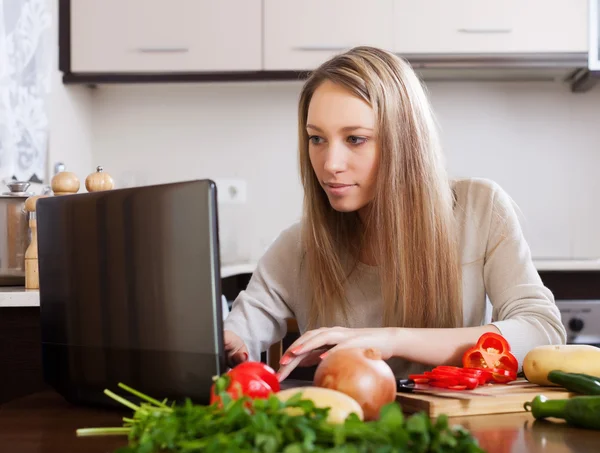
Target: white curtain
<point>25,59</point>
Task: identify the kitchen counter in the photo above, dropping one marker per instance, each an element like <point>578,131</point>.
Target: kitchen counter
<point>44,422</point>
<point>18,296</point>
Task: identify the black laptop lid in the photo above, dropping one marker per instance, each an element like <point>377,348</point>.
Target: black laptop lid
<point>130,291</point>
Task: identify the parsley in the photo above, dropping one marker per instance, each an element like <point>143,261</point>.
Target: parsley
<point>266,426</point>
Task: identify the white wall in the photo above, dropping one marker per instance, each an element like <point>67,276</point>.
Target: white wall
<point>69,116</point>
<point>538,140</point>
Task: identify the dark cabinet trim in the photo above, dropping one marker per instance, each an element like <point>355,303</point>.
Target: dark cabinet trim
<point>64,36</point>
<point>93,78</point>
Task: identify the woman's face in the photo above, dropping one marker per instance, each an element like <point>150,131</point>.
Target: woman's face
<point>342,146</point>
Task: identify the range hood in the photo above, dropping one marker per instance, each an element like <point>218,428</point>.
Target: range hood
<point>570,68</point>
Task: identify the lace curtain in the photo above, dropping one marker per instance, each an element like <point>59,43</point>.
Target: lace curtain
<point>25,63</point>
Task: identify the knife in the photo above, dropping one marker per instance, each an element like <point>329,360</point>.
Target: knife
<point>409,386</point>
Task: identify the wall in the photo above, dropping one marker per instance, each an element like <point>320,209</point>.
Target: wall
<point>69,116</point>
<point>538,140</point>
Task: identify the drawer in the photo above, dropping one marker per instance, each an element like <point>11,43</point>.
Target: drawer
<point>490,26</point>
<point>121,36</point>
<point>300,35</point>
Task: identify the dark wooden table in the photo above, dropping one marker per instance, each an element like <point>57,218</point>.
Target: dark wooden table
<point>44,423</point>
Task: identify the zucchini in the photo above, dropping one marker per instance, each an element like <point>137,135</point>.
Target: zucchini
<point>576,382</point>
<point>579,411</point>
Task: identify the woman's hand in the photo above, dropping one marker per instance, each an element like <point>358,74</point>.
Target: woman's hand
<point>325,340</point>
<point>236,349</point>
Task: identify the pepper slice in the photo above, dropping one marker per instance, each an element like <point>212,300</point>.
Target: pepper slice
<point>503,376</point>
<point>491,351</point>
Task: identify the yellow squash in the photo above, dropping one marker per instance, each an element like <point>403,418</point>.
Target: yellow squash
<point>340,404</point>
<point>569,358</point>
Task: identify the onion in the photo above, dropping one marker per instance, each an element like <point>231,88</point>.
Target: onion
<point>361,374</point>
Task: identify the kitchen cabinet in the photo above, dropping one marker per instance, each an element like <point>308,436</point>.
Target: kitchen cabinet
<point>159,36</point>
<point>490,26</point>
<point>300,35</point>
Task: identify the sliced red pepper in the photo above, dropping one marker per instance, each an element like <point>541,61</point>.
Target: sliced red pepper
<point>448,376</point>
<point>418,378</point>
<point>491,351</point>
<point>483,375</point>
<point>503,376</point>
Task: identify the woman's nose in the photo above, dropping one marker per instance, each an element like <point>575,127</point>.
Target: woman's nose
<point>335,160</point>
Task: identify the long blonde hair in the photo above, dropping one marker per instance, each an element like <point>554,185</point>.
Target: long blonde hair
<point>411,222</point>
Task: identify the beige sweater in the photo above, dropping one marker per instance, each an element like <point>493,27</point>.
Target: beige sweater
<point>521,306</point>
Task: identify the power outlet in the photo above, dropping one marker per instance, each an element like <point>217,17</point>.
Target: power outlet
<point>231,190</point>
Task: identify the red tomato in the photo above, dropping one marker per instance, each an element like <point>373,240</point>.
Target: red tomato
<point>263,371</point>
<point>251,379</point>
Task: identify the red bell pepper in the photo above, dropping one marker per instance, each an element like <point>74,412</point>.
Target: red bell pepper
<point>249,379</point>
<point>491,352</point>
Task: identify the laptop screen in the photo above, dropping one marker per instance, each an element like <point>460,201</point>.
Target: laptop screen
<point>130,277</point>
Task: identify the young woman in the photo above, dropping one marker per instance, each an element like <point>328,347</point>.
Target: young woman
<point>390,252</point>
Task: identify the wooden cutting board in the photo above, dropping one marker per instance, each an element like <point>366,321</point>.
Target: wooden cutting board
<point>505,398</point>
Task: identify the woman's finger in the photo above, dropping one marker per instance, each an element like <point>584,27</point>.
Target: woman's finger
<point>355,342</point>
<point>326,339</point>
<point>285,370</point>
<point>312,358</point>
<point>303,339</point>
<point>316,341</point>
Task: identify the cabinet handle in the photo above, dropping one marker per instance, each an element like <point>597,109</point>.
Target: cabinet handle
<point>490,31</point>
<point>162,49</point>
<point>318,48</point>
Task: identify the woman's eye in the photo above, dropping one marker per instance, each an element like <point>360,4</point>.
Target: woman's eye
<point>354,140</point>
<point>315,139</point>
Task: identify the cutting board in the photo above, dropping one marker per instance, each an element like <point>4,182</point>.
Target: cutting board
<point>505,398</point>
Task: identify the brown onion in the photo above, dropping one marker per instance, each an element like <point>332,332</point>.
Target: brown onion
<point>361,374</point>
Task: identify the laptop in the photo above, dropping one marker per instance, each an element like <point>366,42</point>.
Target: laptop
<point>130,292</point>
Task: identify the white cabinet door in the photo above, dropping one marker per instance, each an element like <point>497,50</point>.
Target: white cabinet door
<point>490,26</point>
<point>302,34</point>
<point>121,36</point>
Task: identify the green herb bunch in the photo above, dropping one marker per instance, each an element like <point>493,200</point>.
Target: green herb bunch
<point>269,426</point>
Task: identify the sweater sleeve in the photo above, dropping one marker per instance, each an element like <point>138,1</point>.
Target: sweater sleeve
<point>524,310</point>
<point>258,314</point>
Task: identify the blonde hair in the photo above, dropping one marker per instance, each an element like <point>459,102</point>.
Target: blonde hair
<point>411,221</point>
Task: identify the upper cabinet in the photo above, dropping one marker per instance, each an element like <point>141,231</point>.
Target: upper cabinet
<point>160,36</point>
<point>490,26</point>
<point>162,40</point>
<point>300,35</point>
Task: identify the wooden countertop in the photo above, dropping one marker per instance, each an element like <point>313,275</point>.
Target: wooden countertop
<point>44,422</point>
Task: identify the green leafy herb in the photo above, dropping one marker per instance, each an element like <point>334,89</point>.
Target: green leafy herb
<point>267,426</point>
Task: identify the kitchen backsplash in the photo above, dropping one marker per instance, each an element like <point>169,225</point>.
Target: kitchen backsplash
<point>538,140</point>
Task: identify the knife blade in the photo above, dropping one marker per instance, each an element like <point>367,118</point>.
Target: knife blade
<point>409,386</point>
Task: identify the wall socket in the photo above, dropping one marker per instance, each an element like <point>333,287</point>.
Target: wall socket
<point>231,190</point>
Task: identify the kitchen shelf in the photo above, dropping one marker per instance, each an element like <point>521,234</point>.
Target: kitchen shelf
<point>567,265</point>
<point>18,296</point>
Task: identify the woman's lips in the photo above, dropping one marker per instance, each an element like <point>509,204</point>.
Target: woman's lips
<point>338,189</point>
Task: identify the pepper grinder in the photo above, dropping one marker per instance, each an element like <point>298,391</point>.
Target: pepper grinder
<point>32,280</point>
<point>99,181</point>
<point>63,183</point>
